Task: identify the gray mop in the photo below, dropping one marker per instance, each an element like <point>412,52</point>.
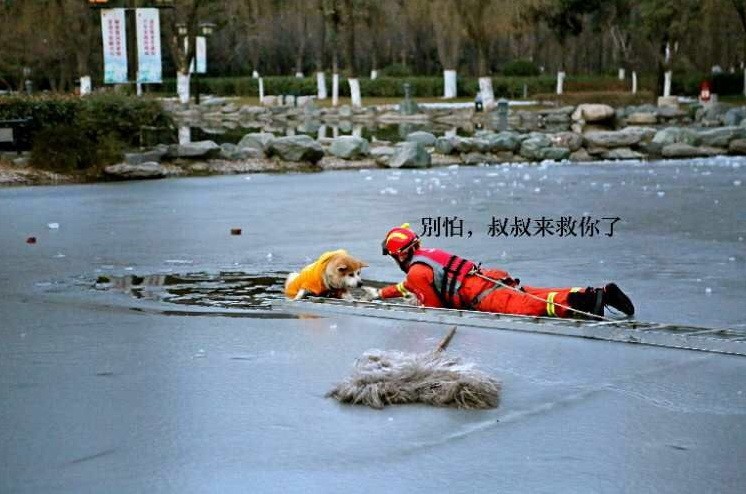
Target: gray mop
<point>383,378</point>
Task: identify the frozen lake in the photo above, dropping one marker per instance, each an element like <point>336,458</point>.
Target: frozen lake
<point>103,392</point>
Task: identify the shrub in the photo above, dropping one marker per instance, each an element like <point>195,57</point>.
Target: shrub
<point>71,133</point>
<point>521,68</point>
<point>62,149</point>
<point>397,70</point>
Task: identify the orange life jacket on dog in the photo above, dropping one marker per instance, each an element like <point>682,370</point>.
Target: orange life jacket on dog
<point>311,278</point>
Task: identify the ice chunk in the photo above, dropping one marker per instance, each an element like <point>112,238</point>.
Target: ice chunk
<point>53,226</point>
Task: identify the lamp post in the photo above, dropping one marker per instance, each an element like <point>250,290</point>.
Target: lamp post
<point>205,29</point>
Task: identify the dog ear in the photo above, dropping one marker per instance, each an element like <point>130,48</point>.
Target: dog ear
<point>342,267</point>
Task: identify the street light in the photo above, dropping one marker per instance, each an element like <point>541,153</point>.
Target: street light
<point>207,28</point>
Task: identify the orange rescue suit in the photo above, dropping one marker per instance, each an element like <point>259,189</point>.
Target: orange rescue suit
<point>420,281</point>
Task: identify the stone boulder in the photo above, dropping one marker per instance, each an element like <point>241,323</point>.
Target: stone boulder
<point>593,113</point>
<point>681,150</point>
<point>425,138</point>
<point>557,116</point>
<point>737,146</point>
<point>622,154</point>
<point>349,147</point>
<point>126,171</point>
<point>670,113</point>
<point>194,150</point>
<point>504,141</point>
<point>532,147</point>
<point>476,159</point>
<point>569,140</point>
<point>467,145</point>
<point>554,153</point>
<point>257,140</point>
<point>382,154</point>
<point>409,155</point>
<point>300,148</point>
<point>612,139</point>
<point>445,145</point>
<point>676,135</point>
<point>734,116</point>
<point>581,155</point>
<point>646,133</point>
<point>232,152</point>
<point>720,137</point>
<point>642,118</point>
<point>146,156</point>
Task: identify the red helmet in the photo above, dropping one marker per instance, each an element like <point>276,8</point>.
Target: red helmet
<point>398,240</point>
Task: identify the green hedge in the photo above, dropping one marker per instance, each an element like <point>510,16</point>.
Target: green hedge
<point>684,83</point>
<point>385,87</point>
<point>521,68</point>
<point>72,133</point>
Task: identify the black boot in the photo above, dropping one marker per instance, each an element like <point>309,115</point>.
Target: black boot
<point>589,301</point>
<point>615,297</point>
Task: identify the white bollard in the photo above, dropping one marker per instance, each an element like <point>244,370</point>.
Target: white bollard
<point>560,82</point>
<point>321,86</point>
<point>373,75</point>
<point>634,82</point>
<point>622,74</point>
<point>261,91</point>
<point>299,75</point>
<point>449,84</point>
<point>255,75</point>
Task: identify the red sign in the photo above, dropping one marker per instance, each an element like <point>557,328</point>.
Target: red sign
<point>704,91</point>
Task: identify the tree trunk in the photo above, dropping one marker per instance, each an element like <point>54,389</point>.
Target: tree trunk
<point>449,84</point>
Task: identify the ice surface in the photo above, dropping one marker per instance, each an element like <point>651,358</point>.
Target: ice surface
<point>98,397</point>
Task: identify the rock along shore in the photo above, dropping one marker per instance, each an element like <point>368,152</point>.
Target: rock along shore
<point>646,133</point>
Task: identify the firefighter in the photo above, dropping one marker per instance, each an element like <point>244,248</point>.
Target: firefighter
<point>440,279</point>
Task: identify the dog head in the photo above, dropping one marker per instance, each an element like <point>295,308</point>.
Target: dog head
<point>343,272</point>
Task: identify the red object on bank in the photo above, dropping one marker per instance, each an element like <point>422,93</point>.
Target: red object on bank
<point>704,91</point>
<point>31,240</point>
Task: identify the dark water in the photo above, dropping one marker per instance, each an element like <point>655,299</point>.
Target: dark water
<point>221,290</point>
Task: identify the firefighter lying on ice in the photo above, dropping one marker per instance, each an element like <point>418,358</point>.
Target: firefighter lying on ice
<point>441,279</point>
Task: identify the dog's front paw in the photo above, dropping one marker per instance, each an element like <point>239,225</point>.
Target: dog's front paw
<point>370,293</point>
<point>346,296</point>
<point>301,294</point>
